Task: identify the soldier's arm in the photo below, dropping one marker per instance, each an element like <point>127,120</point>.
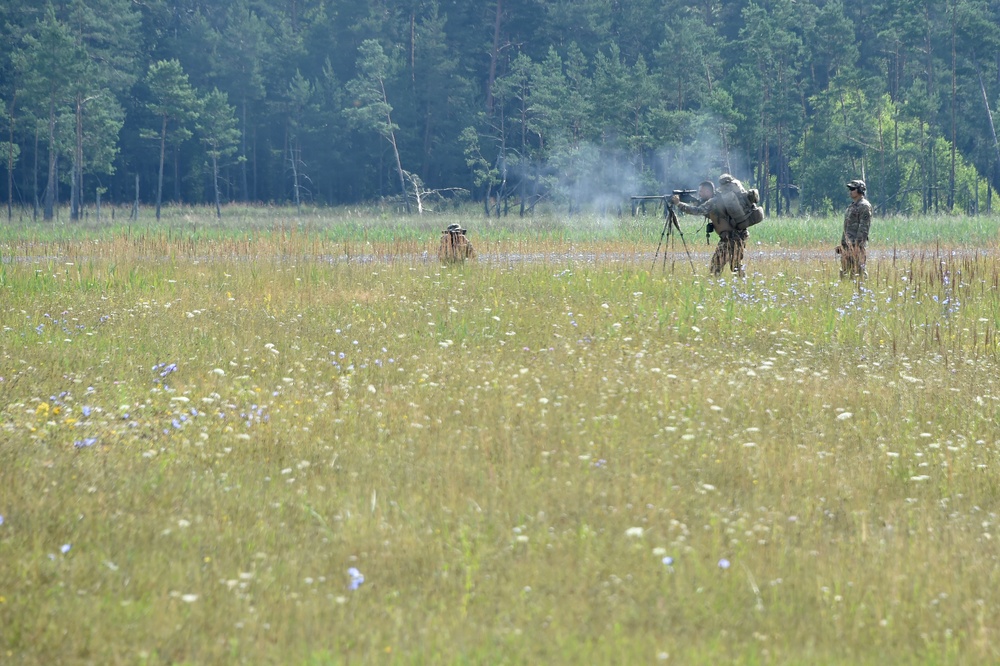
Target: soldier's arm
<point>864,222</point>
<point>701,209</point>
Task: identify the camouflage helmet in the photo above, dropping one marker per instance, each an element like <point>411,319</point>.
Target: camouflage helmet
<point>857,184</point>
<point>453,227</point>
<point>725,179</point>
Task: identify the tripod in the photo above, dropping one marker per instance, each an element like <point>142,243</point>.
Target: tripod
<point>668,230</point>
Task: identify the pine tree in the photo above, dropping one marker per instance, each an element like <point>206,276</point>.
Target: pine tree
<point>217,127</point>
<point>371,109</point>
<point>174,102</point>
<point>50,64</point>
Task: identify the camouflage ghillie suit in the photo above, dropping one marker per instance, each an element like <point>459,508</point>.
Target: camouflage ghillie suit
<point>857,222</point>
<point>729,251</point>
<point>455,246</point>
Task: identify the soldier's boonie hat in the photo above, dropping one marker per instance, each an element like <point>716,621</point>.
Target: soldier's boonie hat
<point>856,184</point>
<point>452,227</point>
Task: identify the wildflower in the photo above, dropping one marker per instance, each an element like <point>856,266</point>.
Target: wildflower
<point>843,416</point>
<point>357,578</point>
<point>1,519</point>
<point>84,443</point>
<point>668,561</point>
<point>723,563</point>
<point>85,410</point>
<point>189,598</point>
<point>634,532</point>
<point>65,548</point>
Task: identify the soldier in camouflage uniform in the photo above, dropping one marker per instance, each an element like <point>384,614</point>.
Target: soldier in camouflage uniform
<point>455,246</point>
<point>731,240</point>
<point>857,221</point>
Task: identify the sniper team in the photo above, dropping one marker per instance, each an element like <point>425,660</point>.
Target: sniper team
<point>731,222</point>
<point>730,212</point>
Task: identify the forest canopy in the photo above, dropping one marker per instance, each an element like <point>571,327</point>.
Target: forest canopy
<point>573,103</point>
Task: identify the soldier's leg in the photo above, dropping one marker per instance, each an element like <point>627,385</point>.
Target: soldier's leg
<point>736,260</point>
<point>845,261</point>
<point>862,260</point>
<point>851,258</point>
<point>718,257</point>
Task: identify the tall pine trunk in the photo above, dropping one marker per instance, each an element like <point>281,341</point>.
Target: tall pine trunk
<point>954,103</point>
<point>50,189</point>
<point>159,180</point>
<point>243,164</point>
<point>76,188</point>
<point>34,178</point>
<point>10,162</point>
<point>215,181</point>
<point>494,54</point>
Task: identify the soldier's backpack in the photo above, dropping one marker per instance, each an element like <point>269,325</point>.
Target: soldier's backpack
<point>739,203</point>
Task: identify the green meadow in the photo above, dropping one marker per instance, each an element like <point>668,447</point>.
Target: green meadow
<point>281,439</point>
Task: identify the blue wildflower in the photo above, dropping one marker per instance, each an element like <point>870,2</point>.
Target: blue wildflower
<point>84,443</point>
<point>357,578</point>
<point>724,563</point>
<point>65,548</point>
<point>85,410</point>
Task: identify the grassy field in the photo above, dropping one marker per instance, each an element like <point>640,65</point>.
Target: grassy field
<point>210,432</point>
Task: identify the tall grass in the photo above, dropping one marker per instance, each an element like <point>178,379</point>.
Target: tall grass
<point>368,224</point>
<point>569,459</point>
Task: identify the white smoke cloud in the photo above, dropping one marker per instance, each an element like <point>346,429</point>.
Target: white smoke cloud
<point>599,179</point>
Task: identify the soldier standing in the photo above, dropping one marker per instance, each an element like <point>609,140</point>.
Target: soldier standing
<point>857,221</point>
<point>731,240</point>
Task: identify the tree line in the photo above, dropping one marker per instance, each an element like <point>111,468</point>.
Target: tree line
<point>512,103</point>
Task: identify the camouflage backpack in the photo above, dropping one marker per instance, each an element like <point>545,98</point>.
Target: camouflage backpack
<point>739,203</point>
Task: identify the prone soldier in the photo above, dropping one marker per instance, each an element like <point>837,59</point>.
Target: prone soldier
<point>455,246</point>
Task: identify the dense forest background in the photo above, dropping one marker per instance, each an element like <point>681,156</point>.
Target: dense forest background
<point>512,103</point>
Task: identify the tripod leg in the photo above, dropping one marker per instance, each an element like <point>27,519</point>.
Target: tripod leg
<point>657,253</point>
<point>673,221</point>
